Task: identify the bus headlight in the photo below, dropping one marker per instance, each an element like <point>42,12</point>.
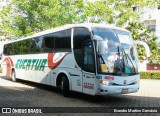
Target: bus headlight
<point>102,82</point>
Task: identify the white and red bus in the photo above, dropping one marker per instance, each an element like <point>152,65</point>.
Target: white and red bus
<point>95,59</point>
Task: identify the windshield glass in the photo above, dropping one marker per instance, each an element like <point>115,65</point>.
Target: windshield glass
<point>120,56</point>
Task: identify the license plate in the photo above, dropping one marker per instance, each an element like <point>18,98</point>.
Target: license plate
<point>124,91</point>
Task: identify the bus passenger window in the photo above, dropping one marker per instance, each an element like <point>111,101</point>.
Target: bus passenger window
<point>8,49</point>
<point>35,45</point>
<point>63,40</point>
<point>17,47</point>
<point>48,44</point>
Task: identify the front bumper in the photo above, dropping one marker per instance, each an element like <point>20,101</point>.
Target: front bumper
<point>104,90</point>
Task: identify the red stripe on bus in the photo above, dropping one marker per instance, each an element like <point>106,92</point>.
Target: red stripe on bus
<point>9,65</point>
<point>11,61</point>
<point>51,64</point>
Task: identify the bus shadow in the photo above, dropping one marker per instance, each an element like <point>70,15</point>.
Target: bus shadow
<point>33,84</point>
<point>125,100</point>
<point>73,94</point>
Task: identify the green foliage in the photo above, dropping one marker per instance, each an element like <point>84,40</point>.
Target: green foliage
<point>154,49</point>
<point>119,12</point>
<point>24,17</point>
<point>98,11</point>
<point>140,32</point>
<point>150,75</point>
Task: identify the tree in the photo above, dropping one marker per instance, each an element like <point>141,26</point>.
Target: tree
<point>5,23</point>
<point>140,32</point>
<point>24,17</point>
<point>119,12</point>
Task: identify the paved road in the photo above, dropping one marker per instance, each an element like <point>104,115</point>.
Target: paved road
<point>27,94</point>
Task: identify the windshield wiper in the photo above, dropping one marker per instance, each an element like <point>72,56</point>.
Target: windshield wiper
<point>126,55</point>
<point>119,63</point>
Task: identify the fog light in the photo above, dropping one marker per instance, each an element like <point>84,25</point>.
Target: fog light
<point>102,82</point>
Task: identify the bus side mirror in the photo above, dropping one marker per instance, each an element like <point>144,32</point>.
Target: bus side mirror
<point>101,47</point>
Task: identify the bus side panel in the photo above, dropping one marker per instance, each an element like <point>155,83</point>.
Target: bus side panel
<point>41,72</point>
<point>32,68</point>
<point>74,74</point>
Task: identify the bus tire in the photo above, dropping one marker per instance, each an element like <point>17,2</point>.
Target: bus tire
<point>65,86</point>
<point>13,76</point>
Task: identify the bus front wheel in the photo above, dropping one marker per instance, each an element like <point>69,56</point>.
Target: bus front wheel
<point>65,86</point>
<point>13,76</point>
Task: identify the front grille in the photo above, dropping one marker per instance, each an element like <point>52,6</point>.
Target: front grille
<point>114,84</point>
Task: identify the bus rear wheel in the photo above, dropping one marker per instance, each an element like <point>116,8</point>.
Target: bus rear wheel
<point>65,86</point>
<point>13,76</point>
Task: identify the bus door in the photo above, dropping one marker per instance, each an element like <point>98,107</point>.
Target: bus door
<point>88,68</point>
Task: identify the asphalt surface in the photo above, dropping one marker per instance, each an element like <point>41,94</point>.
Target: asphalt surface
<point>28,94</point>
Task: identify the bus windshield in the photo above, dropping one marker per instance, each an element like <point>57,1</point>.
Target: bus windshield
<point>120,57</point>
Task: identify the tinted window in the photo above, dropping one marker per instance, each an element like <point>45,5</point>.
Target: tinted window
<point>106,34</point>
<point>8,50</point>
<point>88,59</point>
<point>5,49</point>
<point>80,35</point>
<point>57,41</point>
<point>35,45</point>
<point>63,39</point>
<point>48,43</point>
<point>25,46</point>
<point>17,47</point>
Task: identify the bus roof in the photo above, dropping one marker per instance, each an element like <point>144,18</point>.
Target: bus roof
<point>87,25</point>
<point>69,26</point>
